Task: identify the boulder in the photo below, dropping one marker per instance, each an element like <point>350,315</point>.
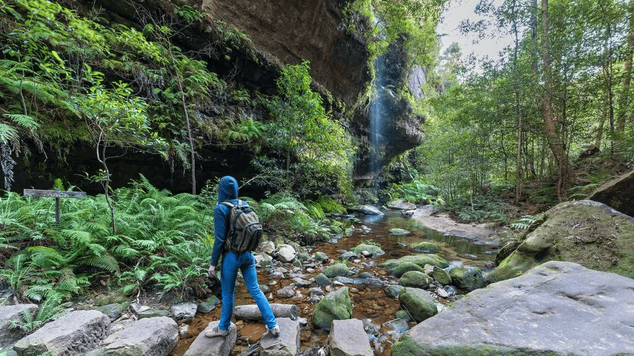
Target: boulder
<point>348,338</point>
<point>370,210</point>
<point>467,277</point>
<point>441,276</point>
<point>401,205</point>
<point>286,344</point>
<point>267,247</point>
<point>215,346</point>
<point>335,305</point>
<point>320,256</point>
<point>72,334</point>
<point>558,308</point>
<point>147,337</point>
<point>585,232</point>
<point>113,311</point>
<point>393,290</point>
<point>419,303</point>
<point>286,253</point>
<point>415,279</point>
<point>426,247</point>
<point>8,314</point>
<point>370,249</point>
<point>617,194</point>
<point>413,263</point>
<point>322,280</point>
<point>338,269</point>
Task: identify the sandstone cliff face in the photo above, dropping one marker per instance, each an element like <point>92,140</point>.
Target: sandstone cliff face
<point>293,30</point>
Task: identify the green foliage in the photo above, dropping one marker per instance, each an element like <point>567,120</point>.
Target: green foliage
<point>315,146</point>
<point>156,230</point>
<point>49,310</point>
<point>416,192</point>
<point>479,208</point>
<point>525,222</point>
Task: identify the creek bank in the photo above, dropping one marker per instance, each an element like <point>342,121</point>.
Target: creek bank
<point>443,223</point>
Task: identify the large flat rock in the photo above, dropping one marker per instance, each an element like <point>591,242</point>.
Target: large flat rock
<point>286,344</point>
<point>147,337</point>
<point>72,334</point>
<point>348,338</point>
<point>215,346</point>
<point>558,308</point>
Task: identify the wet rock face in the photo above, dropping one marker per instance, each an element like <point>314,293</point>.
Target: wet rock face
<point>558,308</point>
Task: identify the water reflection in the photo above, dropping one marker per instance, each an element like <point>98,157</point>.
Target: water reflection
<point>464,248</point>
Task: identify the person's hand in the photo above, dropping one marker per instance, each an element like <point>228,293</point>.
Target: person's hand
<point>212,271</point>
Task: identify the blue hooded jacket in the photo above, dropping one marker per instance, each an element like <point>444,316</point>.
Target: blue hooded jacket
<point>227,191</point>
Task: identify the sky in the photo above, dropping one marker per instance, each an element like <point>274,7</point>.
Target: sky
<point>459,10</point>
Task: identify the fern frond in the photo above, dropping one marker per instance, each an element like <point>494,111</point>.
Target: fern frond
<point>106,262</point>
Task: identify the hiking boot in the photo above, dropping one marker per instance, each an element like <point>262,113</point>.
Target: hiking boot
<point>275,332</point>
<point>215,332</point>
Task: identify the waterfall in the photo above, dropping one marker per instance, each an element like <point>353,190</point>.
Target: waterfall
<point>377,110</point>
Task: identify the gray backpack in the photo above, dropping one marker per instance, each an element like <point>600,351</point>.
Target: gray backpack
<point>245,230</point>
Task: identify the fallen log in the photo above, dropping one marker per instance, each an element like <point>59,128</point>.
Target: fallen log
<point>252,312</point>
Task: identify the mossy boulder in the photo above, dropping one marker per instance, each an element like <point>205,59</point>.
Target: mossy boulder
<point>335,305</point>
<point>420,303</point>
<point>320,256</point>
<point>441,276</point>
<point>338,269</point>
<point>370,248</point>
<point>468,278</point>
<point>413,263</point>
<point>415,279</point>
<point>426,247</point>
<point>399,232</point>
<point>585,232</point>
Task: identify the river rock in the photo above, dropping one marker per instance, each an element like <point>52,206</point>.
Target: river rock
<point>286,292</point>
<point>8,314</point>
<point>208,305</point>
<point>617,193</point>
<point>184,312</point>
<point>267,247</point>
<point>348,338</point>
<point>413,263</point>
<point>370,210</point>
<point>147,337</point>
<point>441,276</point>
<point>320,256</point>
<point>286,344</point>
<point>338,269</point>
<point>426,247</point>
<point>335,305</point>
<point>214,346</point>
<point>393,290</point>
<point>113,311</point>
<point>72,334</point>
<point>558,308</point>
<point>585,232</point>
<point>321,280</point>
<point>420,303</point>
<point>401,205</point>
<point>286,253</point>
<point>399,232</point>
<point>372,250</point>
<point>415,279</point>
<point>467,277</point>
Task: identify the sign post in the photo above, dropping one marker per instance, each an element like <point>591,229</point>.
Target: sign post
<point>57,194</point>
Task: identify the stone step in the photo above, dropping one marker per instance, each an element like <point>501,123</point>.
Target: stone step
<point>216,346</point>
<point>72,334</point>
<point>348,338</point>
<point>146,337</point>
<point>286,344</point>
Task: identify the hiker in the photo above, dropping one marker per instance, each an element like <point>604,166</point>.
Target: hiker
<point>232,262</point>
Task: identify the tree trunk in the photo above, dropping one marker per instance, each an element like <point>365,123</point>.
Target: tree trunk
<point>552,134</point>
<point>252,312</point>
<point>627,74</point>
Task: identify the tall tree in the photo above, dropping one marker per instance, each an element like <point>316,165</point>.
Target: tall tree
<point>627,72</point>
<point>553,131</point>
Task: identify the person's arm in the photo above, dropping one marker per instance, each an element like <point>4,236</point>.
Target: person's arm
<point>220,232</point>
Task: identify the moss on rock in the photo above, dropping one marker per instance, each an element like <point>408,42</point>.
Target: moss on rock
<point>585,232</point>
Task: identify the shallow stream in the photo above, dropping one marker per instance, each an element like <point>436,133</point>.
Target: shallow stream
<point>370,304</point>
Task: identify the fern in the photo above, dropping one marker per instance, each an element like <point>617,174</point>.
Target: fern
<point>525,222</point>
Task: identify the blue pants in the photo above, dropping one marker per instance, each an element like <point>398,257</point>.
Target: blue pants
<point>231,262</point>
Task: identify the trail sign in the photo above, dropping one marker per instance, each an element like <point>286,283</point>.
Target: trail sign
<point>57,194</point>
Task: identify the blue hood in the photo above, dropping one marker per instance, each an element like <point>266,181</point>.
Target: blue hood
<point>227,189</point>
